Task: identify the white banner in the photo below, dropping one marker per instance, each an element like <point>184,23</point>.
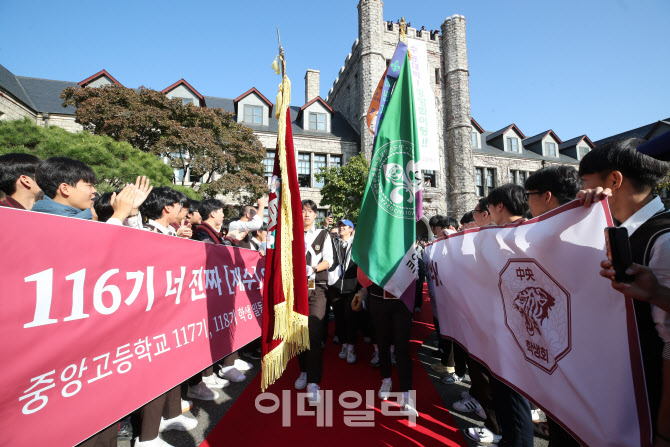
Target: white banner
<point>424,105</point>
<point>527,301</point>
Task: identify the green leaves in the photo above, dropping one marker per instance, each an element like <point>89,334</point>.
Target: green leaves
<point>343,187</point>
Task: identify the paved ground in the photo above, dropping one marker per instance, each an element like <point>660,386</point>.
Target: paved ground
<point>209,413</point>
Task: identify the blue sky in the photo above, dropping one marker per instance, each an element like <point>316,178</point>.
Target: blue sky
<point>598,67</point>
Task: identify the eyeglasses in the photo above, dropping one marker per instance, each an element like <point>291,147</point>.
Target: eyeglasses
<point>527,194</point>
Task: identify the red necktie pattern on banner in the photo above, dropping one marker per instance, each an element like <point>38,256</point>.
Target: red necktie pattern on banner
<point>285,331</point>
<point>102,308</point>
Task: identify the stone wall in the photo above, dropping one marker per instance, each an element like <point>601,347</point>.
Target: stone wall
<point>11,109</point>
<point>461,184</point>
<point>311,85</point>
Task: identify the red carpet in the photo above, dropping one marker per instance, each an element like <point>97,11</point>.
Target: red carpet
<point>244,425</point>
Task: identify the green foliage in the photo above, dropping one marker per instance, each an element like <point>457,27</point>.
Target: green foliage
<point>343,187</point>
<point>227,156</point>
<point>115,163</point>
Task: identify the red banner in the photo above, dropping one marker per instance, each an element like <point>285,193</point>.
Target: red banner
<point>99,319</point>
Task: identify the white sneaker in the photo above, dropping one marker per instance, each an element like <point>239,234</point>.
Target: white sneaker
<point>232,373</point>
<point>201,392</point>
<point>467,405</point>
<point>186,405</point>
<point>538,416</point>
<point>409,408</point>
<point>181,423</point>
<point>243,366</point>
<point>375,359</point>
<point>215,381</point>
<point>385,390</point>
<point>158,442</point>
<point>351,355</point>
<point>451,378</point>
<point>343,352</point>
<point>482,435</point>
<point>313,396</point>
<point>301,383</point>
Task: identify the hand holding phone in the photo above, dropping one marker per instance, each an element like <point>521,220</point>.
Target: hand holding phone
<point>618,252</point>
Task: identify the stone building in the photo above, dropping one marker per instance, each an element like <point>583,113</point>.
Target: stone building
<point>322,137</point>
<point>472,161</point>
<point>329,132</point>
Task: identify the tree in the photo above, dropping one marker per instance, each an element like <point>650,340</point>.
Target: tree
<point>225,157</point>
<point>343,187</point>
<point>115,163</point>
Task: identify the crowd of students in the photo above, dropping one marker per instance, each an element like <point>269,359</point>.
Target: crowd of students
<point>66,187</point>
<point>615,171</point>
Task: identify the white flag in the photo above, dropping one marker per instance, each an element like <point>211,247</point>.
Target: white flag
<point>528,302</point>
<point>424,105</point>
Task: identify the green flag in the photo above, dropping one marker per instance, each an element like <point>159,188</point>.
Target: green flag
<point>384,244</point>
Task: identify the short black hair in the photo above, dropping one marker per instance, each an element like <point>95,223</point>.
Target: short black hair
<point>103,206</point>
<point>193,207</point>
<point>309,204</point>
<point>184,201</point>
<point>54,171</point>
<point>468,217</point>
<point>451,222</point>
<point>563,182</point>
<point>245,210</point>
<point>159,198</point>
<point>622,155</point>
<point>438,221</point>
<point>207,206</point>
<point>13,166</point>
<point>256,233</point>
<point>512,196</point>
<point>483,205</point>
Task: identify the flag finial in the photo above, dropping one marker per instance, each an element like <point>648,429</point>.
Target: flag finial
<point>403,29</point>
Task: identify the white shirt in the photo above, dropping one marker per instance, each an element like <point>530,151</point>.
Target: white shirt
<point>326,253</point>
<point>131,222</point>
<point>161,229</point>
<point>659,260</point>
<point>254,224</point>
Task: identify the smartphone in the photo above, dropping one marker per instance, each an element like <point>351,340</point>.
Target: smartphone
<point>618,252</point>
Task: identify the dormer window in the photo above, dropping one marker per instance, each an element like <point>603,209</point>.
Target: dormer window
<point>253,114</point>
<point>582,150</point>
<point>184,101</point>
<point>317,121</point>
<point>512,144</point>
<point>550,149</point>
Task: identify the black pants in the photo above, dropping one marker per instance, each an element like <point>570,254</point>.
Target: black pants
<point>513,412</point>
<point>104,438</point>
<point>311,360</point>
<point>353,321</point>
<point>480,377</point>
<point>393,326</point>
<point>558,437</point>
<point>148,418</point>
<point>334,300</point>
<point>455,357</point>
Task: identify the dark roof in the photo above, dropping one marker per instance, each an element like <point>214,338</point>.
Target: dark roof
<point>530,140</point>
<point>491,150</point>
<point>45,94</point>
<point>503,130</point>
<point>9,82</point>
<point>639,132</point>
<point>574,142</point>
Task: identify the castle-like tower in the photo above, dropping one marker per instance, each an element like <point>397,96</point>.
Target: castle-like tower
<point>452,184</point>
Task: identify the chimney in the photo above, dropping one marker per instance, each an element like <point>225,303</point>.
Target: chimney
<point>311,85</point>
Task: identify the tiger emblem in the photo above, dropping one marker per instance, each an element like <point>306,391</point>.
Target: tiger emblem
<point>534,304</point>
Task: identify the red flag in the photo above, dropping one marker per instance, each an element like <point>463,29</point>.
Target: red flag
<point>286,309</point>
